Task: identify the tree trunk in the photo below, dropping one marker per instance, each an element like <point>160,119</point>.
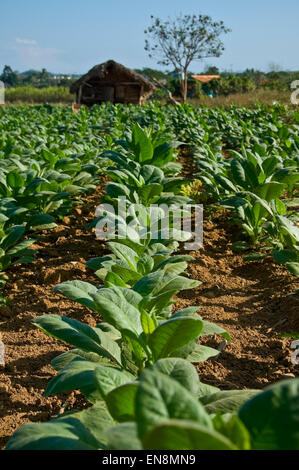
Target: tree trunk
<point>184,85</point>
<point>182,88</point>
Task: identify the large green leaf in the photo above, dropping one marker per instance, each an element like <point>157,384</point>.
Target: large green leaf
<point>142,146</point>
<point>250,174</point>
<point>205,390</point>
<point>126,274</point>
<point>225,183</point>
<point>96,263</point>
<point>15,180</point>
<point>232,428</point>
<point>41,222</point>
<point>149,283</point>
<point>213,329</point>
<point>147,322</point>
<point>80,335</point>
<point>56,435</point>
<point>14,235</point>
<point>156,305</point>
<point>186,312</point>
<point>84,430</point>
<point>113,279</point>
<point>115,190</point>
<point>285,256</point>
<point>149,192</point>
<point>160,398</point>
<point>126,253</point>
<point>152,174</point>
<point>21,247</point>
<point>238,172</point>
<point>227,401</point>
<point>63,359</point>
<point>269,165</point>
<point>79,291</point>
<point>121,402</point>
<point>123,437</point>
<point>202,353</point>
<point>174,334</point>
<point>293,268</point>
<point>176,434</point>
<point>173,260</point>
<point>78,374</point>
<point>172,282</point>
<point>145,264</point>
<point>272,417</point>
<point>116,307</point>
<point>269,191</point>
<point>108,378</point>
<point>181,371</point>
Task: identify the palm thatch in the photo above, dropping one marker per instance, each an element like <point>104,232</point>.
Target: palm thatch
<point>113,82</point>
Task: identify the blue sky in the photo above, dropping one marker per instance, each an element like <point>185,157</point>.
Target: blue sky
<point>70,36</point>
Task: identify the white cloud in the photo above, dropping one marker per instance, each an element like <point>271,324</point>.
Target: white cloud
<point>30,54</point>
<point>26,42</point>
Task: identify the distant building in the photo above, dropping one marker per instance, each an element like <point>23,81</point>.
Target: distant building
<point>112,82</point>
<point>204,78</point>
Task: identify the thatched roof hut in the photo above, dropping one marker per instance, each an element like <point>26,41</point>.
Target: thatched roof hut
<point>112,82</point>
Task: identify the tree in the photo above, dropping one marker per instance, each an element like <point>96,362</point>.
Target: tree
<point>211,70</point>
<point>153,73</point>
<point>183,40</point>
<point>9,77</point>
<point>44,78</point>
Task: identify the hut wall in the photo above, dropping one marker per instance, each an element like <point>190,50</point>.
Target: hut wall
<point>127,93</point>
<point>98,94</point>
<point>115,93</point>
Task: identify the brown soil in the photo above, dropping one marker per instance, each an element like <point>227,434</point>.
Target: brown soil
<point>252,301</point>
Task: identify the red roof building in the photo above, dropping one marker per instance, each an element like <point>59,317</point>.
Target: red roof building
<point>204,78</point>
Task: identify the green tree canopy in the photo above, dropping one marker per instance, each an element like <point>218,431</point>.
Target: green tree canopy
<point>183,40</point>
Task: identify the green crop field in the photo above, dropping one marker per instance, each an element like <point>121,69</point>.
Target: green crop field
<point>136,366</point>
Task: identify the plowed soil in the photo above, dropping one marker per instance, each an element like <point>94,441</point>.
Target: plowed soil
<point>254,302</point>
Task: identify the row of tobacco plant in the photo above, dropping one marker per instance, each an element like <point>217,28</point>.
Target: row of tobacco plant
<point>135,368</point>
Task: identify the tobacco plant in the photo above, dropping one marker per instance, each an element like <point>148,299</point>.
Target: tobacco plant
<point>168,408</point>
<point>135,366</point>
